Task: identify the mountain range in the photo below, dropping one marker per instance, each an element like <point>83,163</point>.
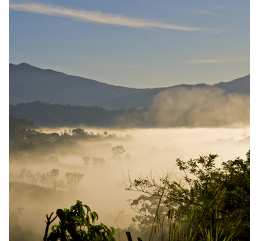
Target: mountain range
<point>28,83</point>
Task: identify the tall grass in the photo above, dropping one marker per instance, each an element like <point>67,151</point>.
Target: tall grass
<point>192,227</point>
<point>185,230</point>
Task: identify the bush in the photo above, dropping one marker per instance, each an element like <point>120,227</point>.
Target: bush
<point>76,224</point>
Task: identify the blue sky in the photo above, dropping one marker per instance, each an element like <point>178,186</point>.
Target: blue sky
<point>134,43</point>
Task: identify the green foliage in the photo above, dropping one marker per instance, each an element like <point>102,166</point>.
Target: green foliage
<point>23,138</point>
<point>45,114</point>
<point>212,202</point>
<point>19,123</point>
<point>83,220</point>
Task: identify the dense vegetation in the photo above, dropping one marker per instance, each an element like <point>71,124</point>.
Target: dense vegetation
<point>78,225</point>
<point>56,115</point>
<point>24,137</point>
<point>208,203</point>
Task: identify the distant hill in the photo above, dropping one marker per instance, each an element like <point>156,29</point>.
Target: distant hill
<point>240,85</point>
<point>144,99</point>
<point>28,83</point>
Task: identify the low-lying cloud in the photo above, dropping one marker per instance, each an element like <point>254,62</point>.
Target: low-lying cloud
<point>196,107</point>
<point>201,107</point>
<point>96,17</point>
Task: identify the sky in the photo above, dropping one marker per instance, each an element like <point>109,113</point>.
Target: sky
<point>137,43</point>
<point>218,48</point>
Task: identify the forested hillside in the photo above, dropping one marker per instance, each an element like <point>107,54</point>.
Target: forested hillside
<point>45,114</point>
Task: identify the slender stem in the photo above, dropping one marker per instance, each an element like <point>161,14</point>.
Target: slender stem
<point>157,210</point>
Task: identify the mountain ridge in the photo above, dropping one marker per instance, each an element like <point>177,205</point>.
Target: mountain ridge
<point>29,83</point>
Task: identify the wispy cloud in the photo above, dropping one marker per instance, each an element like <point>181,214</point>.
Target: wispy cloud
<point>97,17</point>
<point>216,61</point>
<point>203,12</point>
<point>217,32</point>
<point>199,11</point>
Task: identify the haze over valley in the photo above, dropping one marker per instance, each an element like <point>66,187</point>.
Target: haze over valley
<point>103,186</point>
<point>182,122</point>
<point>129,120</point>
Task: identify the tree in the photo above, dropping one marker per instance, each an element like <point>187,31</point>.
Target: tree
<point>117,152</point>
<point>55,173</point>
<point>22,174</point>
<point>145,206</point>
<point>209,197</point>
<point>78,223</point>
<point>86,160</point>
<point>78,178</point>
<point>99,161</point>
<point>79,132</point>
<point>69,176</point>
<point>73,178</point>
<point>29,176</point>
<point>54,135</point>
<point>48,223</point>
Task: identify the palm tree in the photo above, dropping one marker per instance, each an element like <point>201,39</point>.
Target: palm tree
<point>69,176</point>
<point>55,173</point>
<point>79,176</point>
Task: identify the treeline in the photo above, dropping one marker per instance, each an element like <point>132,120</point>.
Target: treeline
<point>48,179</point>
<point>21,123</point>
<point>24,137</point>
<point>56,115</point>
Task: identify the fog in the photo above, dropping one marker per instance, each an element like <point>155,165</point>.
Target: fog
<point>103,186</point>
<point>184,107</point>
<point>181,97</point>
<point>202,106</point>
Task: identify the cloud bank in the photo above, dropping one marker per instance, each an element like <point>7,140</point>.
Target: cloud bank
<point>96,17</point>
<point>206,106</point>
<point>200,107</point>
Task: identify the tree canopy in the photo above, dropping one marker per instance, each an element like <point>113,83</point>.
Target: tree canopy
<point>208,197</point>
